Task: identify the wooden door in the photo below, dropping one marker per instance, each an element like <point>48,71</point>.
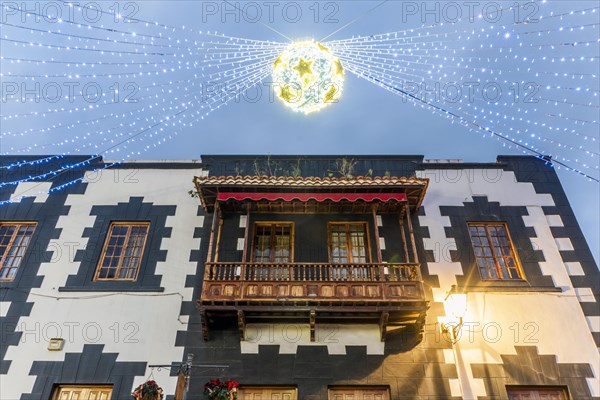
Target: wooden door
<point>83,393</point>
<point>536,394</point>
<point>267,393</point>
<point>359,394</point>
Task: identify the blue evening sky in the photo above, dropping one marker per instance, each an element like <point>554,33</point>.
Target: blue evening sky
<point>367,120</point>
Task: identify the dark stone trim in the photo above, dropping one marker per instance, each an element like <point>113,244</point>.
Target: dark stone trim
<point>160,165</point>
<point>517,289</point>
<point>46,215</point>
<point>545,180</point>
<point>320,165</point>
<point>529,368</point>
<point>481,210</point>
<point>463,165</point>
<point>135,210</point>
<point>91,366</point>
<point>25,171</point>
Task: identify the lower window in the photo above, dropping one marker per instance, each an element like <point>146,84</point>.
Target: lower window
<point>359,393</point>
<point>267,393</point>
<point>82,392</point>
<point>536,393</point>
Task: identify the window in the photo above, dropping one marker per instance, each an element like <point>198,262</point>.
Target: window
<point>267,393</point>
<point>81,392</point>
<point>539,393</point>
<point>14,239</point>
<point>348,243</point>
<point>358,393</point>
<point>494,252</point>
<point>122,253</point>
<point>273,242</point>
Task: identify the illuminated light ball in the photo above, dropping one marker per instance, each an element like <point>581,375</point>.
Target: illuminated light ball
<point>307,77</point>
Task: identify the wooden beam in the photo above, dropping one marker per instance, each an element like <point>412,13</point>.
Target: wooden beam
<point>241,324</point>
<point>313,319</point>
<point>415,306</point>
<point>376,228</point>
<point>383,322</point>
<point>246,229</point>
<point>212,234</point>
<point>412,235</point>
<point>218,245</point>
<point>403,233</point>
<point>180,386</point>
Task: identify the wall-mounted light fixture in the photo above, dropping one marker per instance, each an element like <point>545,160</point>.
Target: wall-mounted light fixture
<point>455,305</point>
<point>56,344</point>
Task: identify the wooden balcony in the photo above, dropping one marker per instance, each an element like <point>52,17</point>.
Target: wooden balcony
<point>388,294</point>
<point>310,282</point>
<point>383,293</point>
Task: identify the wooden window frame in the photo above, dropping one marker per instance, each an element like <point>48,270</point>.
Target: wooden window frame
<point>131,224</point>
<point>268,387</point>
<point>18,225</point>
<point>348,241</point>
<point>563,389</point>
<point>332,389</point>
<point>57,389</point>
<point>493,251</point>
<point>271,224</point>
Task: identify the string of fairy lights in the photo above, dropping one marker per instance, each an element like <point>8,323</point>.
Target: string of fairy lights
<point>120,86</point>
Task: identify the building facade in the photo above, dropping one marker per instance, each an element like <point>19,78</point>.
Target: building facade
<point>315,277</point>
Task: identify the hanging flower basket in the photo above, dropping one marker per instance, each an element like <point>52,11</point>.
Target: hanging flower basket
<point>148,391</point>
<point>217,390</point>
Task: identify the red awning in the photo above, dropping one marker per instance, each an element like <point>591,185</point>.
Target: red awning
<point>335,197</point>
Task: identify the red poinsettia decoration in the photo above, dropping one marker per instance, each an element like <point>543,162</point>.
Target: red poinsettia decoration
<point>215,389</point>
<point>148,391</point>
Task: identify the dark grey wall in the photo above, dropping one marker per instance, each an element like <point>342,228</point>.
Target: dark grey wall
<point>310,233</point>
<point>134,210</point>
<point>481,210</point>
<point>544,180</point>
<point>91,366</point>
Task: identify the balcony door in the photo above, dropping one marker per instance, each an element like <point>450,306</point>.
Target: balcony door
<point>349,244</point>
<point>272,243</point>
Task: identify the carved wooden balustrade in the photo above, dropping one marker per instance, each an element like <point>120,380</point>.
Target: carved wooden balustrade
<point>314,282</point>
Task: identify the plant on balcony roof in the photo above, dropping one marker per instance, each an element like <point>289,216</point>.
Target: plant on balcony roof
<point>148,390</point>
<point>217,390</point>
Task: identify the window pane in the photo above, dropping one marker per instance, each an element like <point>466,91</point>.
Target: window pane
<point>348,243</point>
<point>493,251</point>
<point>272,243</point>
<point>14,240</point>
<point>122,252</point>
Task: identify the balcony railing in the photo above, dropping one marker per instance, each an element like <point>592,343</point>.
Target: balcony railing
<point>311,281</point>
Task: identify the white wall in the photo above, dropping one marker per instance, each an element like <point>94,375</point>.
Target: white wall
<point>138,326</point>
<point>560,327</point>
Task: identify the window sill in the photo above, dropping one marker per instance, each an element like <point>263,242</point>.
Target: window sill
<point>508,288</point>
<point>110,289</point>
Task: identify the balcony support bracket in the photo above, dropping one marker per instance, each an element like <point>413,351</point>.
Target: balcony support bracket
<point>383,322</point>
<point>313,318</point>
<point>205,331</point>
<point>241,317</point>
